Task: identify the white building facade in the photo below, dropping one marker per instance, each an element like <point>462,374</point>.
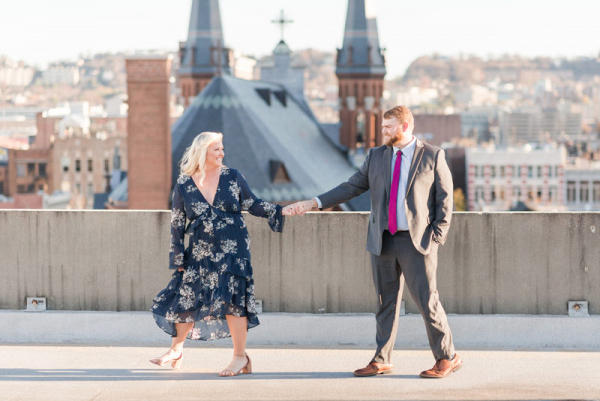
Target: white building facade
<point>61,75</point>
<point>583,186</point>
<point>498,178</point>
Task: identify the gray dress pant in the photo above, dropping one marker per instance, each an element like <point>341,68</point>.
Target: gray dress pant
<point>399,262</point>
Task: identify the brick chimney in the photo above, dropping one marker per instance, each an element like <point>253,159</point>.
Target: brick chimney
<point>148,132</point>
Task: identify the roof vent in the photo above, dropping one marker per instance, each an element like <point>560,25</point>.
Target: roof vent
<point>265,95</point>
<point>278,172</point>
<point>281,96</point>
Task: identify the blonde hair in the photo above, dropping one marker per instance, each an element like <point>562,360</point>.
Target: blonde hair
<point>194,158</point>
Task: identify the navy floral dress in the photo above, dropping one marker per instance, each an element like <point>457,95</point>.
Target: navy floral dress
<point>217,279</point>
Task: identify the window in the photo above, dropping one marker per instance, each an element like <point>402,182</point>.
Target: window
<point>21,189</point>
<point>106,164</point>
<point>90,165</point>
<point>556,171</point>
<point>42,169</point>
<point>584,192</point>
<point>40,187</point>
<point>1,187</point>
<point>77,165</point>
<point>30,169</point>
<point>549,171</point>
<point>571,191</point>
<point>502,172</point>
<point>539,171</point>
<point>596,191</point>
<point>476,171</point>
<point>90,191</point>
<point>493,172</point>
<point>20,171</point>
<point>360,128</point>
<point>552,194</point>
<point>64,162</point>
<point>530,171</point>
<point>478,193</point>
<point>493,194</point>
<point>77,188</point>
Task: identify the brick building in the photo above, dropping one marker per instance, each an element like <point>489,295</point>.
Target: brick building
<point>203,55</point>
<point>3,171</point>
<point>27,172</point>
<point>360,68</point>
<point>82,165</point>
<point>437,128</point>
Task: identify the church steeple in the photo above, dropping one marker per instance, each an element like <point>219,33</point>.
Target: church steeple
<point>203,55</point>
<point>360,68</point>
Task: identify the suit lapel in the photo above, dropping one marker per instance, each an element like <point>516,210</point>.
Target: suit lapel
<point>387,167</point>
<point>414,164</point>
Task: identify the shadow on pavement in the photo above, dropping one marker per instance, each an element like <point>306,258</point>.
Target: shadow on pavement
<point>151,374</point>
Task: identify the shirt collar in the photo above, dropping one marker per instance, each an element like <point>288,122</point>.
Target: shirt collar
<point>408,148</point>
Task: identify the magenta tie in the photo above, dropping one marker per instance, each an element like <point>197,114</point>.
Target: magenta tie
<point>393,213</point>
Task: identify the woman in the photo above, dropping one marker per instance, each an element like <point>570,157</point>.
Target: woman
<point>211,293</point>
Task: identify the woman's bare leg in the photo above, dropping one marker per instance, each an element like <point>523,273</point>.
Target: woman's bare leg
<point>176,343</point>
<point>183,330</point>
<point>238,327</point>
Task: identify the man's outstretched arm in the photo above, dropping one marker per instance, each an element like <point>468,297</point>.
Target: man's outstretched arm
<point>356,185</point>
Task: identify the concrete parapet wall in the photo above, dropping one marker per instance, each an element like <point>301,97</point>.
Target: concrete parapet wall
<point>493,263</point>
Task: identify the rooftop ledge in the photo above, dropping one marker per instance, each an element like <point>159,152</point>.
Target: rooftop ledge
<point>530,263</point>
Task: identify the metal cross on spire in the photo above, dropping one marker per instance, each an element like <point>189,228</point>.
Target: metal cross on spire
<point>282,21</point>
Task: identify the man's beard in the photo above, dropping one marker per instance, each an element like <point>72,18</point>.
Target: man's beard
<point>394,139</point>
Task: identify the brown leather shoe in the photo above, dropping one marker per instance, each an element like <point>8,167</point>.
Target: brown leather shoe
<point>443,368</point>
<point>374,368</point>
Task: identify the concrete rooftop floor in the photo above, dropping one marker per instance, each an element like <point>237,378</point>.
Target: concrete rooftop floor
<point>100,372</point>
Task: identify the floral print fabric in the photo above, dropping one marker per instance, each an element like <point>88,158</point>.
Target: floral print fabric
<point>217,277</point>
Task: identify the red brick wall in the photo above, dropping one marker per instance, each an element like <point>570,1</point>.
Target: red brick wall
<point>444,128</point>
<point>192,86</point>
<point>148,133</point>
<point>24,201</point>
<point>35,156</point>
<point>4,180</point>
<point>360,87</point>
<point>45,130</point>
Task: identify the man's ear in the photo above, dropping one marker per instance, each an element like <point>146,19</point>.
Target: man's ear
<point>404,127</point>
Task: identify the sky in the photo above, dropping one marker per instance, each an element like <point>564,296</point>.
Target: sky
<point>40,31</point>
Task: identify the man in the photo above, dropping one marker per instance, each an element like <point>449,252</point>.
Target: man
<point>411,209</point>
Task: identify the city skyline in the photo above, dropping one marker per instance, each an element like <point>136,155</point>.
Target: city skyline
<point>462,27</point>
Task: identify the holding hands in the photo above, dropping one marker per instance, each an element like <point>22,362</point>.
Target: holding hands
<point>299,208</point>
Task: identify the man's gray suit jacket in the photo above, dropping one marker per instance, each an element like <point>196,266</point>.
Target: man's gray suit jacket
<point>429,198</point>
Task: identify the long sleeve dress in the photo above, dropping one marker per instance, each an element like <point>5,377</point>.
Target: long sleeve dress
<point>217,277</point>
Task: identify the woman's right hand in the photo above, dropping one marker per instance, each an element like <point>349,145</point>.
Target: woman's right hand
<point>180,269</point>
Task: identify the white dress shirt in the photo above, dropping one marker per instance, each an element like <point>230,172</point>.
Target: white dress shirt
<point>407,155</point>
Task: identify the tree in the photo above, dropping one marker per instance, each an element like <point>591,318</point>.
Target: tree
<point>460,203</point>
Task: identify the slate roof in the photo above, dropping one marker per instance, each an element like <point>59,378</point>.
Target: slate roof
<point>360,39</point>
<point>262,123</point>
<point>120,192</point>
